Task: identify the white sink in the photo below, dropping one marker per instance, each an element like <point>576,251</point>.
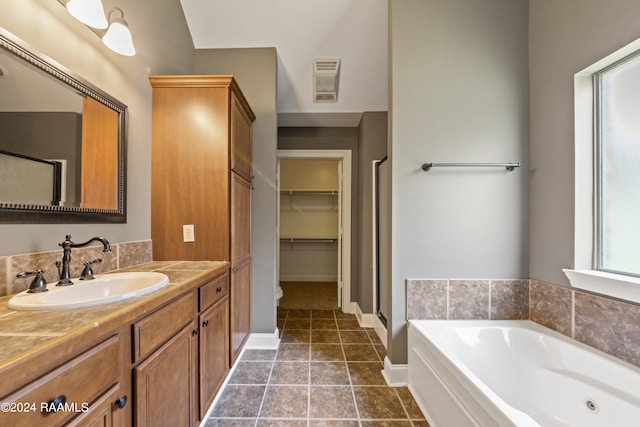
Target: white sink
<point>103,289</point>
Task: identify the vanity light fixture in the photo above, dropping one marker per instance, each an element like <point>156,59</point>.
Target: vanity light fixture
<point>112,29</point>
<point>118,37</point>
<point>89,12</point>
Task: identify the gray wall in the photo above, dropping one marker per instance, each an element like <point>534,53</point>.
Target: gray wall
<point>459,77</point>
<point>256,73</point>
<point>372,145</point>
<point>164,46</point>
<point>565,37</point>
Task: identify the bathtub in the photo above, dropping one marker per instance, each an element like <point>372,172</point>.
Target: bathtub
<point>486,373</point>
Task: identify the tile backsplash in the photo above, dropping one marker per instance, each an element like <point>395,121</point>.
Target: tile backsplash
<point>608,324</point>
<point>122,255</point>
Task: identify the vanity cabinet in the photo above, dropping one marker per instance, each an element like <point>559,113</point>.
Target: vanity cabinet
<point>201,176</point>
<point>214,339</point>
<point>82,390</point>
<point>181,355</point>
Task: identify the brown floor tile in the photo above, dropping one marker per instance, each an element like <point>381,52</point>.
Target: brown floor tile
<point>374,337</point>
<point>299,314</point>
<point>285,402</point>
<point>325,336</point>
<point>348,324</point>
<point>331,402</point>
<point>410,405</point>
<point>366,373</point>
<point>360,353</point>
<point>382,352</point>
<point>230,422</point>
<point>326,352</point>
<point>322,314</point>
<point>292,352</point>
<point>355,337</point>
<point>300,336</point>
<point>251,373</point>
<point>385,423</point>
<point>269,422</point>
<point>258,355</point>
<point>340,315</point>
<point>377,403</point>
<point>323,324</point>
<point>420,423</point>
<point>333,423</point>
<point>296,323</point>
<point>329,373</point>
<point>290,373</point>
<point>239,401</point>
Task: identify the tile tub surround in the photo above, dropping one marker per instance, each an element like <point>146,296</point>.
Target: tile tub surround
<point>326,372</point>
<point>608,324</point>
<point>467,299</point>
<point>122,255</point>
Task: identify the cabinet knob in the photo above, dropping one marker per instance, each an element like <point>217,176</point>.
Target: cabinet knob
<point>196,331</point>
<point>205,323</point>
<point>122,402</point>
<point>56,404</point>
<point>219,289</point>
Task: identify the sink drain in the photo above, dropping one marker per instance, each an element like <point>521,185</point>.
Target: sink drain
<point>592,405</point>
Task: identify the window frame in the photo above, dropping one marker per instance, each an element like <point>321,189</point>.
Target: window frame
<point>585,273</point>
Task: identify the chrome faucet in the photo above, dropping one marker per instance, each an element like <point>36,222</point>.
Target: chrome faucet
<point>63,267</point>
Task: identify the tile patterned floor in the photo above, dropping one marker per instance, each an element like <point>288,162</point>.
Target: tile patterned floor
<point>326,372</point>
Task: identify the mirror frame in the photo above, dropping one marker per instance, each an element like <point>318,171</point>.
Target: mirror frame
<point>46,214</point>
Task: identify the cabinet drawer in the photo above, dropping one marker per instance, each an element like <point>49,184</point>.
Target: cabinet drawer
<point>155,329</point>
<point>73,386</point>
<point>213,291</point>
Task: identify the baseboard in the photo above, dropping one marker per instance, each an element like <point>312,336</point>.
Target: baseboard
<point>263,341</point>
<point>370,320</point>
<point>395,375</point>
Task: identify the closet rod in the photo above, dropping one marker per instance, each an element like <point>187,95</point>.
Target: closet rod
<point>509,166</point>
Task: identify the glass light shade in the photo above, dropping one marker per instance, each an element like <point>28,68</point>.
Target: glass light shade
<point>89,12</point>
<point>118,38</point>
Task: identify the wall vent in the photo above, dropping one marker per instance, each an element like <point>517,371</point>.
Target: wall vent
<point>326,73</point>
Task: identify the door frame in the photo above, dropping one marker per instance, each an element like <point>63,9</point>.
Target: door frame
<point>345,261</point>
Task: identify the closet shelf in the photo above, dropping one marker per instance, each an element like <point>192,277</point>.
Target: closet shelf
<point>308,240</point>
<point>310,192</point>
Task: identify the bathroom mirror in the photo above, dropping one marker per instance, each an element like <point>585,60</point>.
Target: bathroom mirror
<point>62,143</point>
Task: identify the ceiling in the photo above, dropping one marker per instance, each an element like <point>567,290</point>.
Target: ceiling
<point>353,30</point>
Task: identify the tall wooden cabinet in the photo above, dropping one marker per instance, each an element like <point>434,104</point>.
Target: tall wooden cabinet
<point>201,176</point>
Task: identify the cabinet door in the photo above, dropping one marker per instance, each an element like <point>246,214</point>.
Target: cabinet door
<point>214,351</point>
<point>240,139</point>
<point>164,386</point>
<point>240,308</point>
<point>240,220</point>
<point>100,413</point>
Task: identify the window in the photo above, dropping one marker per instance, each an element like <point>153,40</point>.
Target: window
<point>617,178</point>
<point>607,176</point>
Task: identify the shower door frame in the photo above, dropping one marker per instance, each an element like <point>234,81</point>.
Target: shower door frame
<point>344,261</point>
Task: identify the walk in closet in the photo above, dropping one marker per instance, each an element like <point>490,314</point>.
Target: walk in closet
<point>309,221</point>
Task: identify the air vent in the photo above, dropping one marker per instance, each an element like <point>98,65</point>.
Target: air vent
<point>326,73</point>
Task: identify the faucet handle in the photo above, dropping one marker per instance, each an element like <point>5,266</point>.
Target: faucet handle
<point>38,284</point>
<point>87,272</point>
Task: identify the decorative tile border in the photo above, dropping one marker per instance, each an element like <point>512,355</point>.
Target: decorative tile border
<point>122,255</point>
<point>608,324</point>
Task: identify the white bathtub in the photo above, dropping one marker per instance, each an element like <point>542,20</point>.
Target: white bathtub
<point>516,373</point>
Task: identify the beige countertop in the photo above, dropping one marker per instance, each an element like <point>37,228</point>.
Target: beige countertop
<point>26,336</point>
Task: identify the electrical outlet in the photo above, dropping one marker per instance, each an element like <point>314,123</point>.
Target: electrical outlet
<point>188,233</point>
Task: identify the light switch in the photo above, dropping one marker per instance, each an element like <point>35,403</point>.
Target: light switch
<point>188,233</point>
